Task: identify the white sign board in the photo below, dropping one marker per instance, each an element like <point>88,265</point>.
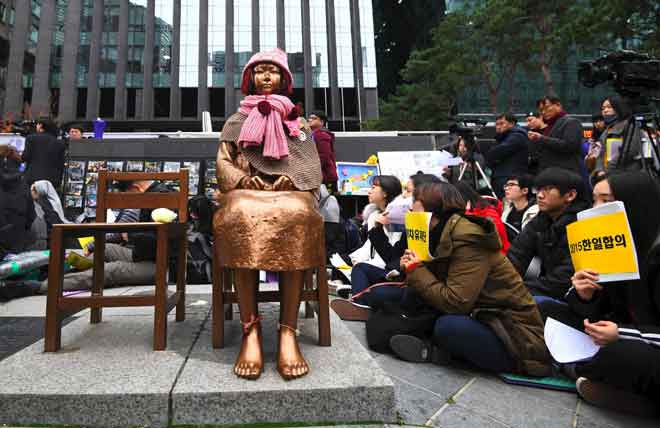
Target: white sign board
<point>13,140</point>
<point>404,164</point>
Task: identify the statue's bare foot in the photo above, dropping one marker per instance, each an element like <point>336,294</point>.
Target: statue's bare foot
<point>290,362</point>
<point>250,361</point>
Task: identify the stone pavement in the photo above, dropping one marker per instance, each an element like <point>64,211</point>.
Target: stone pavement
<point>426,395</point>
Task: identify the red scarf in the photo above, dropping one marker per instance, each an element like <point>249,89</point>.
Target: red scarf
<point>551,122</point>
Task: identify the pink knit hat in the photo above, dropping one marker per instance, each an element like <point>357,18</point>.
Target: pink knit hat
<point>277,57</point>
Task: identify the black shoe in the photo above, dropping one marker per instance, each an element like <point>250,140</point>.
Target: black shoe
<point>415,350</point>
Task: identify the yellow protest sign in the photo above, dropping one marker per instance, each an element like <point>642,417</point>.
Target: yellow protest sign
<point>85,241</point>
<point>601,240</point>
<point>417,234</point>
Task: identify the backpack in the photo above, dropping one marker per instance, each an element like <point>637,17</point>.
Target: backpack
<point>352,233</point>
<point>199,260</point>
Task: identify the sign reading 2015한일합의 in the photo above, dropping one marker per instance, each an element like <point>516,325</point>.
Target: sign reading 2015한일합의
<point>601,240</point>
<point>417,234</point>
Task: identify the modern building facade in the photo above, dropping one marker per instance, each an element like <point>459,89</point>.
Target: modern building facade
<point>153,60</point>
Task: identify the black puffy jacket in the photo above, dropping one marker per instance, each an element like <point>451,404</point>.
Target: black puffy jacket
<point>16,213</point>
<point>546,239</point>
<point>510,156</point>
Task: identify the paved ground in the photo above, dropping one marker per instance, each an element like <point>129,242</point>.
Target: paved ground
<point>427,395</point>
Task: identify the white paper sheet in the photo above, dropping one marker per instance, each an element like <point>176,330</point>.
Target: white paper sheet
<point>566,344</point>
<point>340,264</point>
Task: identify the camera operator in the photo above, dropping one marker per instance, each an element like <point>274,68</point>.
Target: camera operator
<point>509,157</point>
<point>618,126</point>
<point>463,150</point>
<point>560,143</point>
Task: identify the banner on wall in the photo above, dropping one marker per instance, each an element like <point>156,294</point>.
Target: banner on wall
<point>601,240</point>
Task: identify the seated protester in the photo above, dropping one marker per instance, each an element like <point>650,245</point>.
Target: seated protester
<point>335,235</point>
<point>368,266</point>
<point>487,316</point>
<point>482,206</point>
<point>624,317</point>
<point>131,261</point>
<point>16,213</point>
<point>559,197</point>
<point>519,206</point>
<point>48,208</point>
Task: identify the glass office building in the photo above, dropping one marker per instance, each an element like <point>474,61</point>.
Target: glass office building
<point>151,60</point>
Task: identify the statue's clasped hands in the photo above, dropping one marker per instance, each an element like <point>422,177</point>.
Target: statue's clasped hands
<point>283,183</point>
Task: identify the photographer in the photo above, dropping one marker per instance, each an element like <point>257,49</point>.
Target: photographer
<point>619,126</point>
<point>510,155</point>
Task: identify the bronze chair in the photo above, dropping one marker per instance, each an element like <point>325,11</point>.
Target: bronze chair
<point>315,298</point>
<point>59,307</point>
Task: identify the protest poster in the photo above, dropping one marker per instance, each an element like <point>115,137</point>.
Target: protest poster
<point>417,233</point>
<point>404,164</point>
<point>601,240</point>
<point>355,178</point>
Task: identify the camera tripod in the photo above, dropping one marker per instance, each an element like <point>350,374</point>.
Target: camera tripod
<point>476,167</point>
<point>649,124</point>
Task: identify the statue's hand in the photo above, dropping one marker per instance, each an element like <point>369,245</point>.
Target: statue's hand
<point>283,183</point>
<point>253,183</point>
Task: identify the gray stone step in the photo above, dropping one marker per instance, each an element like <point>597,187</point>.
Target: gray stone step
<point>107,375</point>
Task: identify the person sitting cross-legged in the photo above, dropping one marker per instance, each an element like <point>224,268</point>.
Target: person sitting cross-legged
<point>487,316</point>
<point>623,318</point>
<point>560,198</point>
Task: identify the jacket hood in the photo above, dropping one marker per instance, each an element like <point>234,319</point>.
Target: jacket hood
<point>515,130</point>
<point>468,228</point>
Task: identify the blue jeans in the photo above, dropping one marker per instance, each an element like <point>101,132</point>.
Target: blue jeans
<point>549,305</point>
<point>468,339</point>
<point>362,276</point>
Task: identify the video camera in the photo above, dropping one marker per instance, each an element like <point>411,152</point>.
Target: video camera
<point>634,76</point>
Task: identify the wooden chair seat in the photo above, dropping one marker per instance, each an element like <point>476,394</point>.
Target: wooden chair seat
<point>59,307</point>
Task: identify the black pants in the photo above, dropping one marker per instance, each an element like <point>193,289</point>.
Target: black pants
<point>630,365</point>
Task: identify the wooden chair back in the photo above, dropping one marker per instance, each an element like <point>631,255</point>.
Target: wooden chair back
<point>177,200</point>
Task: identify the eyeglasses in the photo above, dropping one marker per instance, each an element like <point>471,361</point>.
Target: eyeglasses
<point>507,185</point>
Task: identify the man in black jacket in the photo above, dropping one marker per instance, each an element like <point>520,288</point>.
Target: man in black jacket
<point>510,156</point>
<point>560,143</point>
<point>44,155</point>
<point>560,196</point>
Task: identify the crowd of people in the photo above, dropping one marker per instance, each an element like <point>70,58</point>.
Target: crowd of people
<point>501,263</point>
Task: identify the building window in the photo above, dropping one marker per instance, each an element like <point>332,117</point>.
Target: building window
<point>344,44</point>
<point>164,35</point>
<point>319,38</point>
<point>267,25</point>
<point>189,52</point>
<point>86,13</point>
<point>242,37</point>
<point>137,11</point>
<point>368,47</point>
<point>216,43</point>
<point>293,40</point>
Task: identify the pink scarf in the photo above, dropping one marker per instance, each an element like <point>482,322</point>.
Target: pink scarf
<point>265,115</point>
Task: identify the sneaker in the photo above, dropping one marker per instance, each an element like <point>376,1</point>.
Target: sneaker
<point>349,311</point>
<point>603,395</point>
<point>415,350</point>
<point>344,290</point>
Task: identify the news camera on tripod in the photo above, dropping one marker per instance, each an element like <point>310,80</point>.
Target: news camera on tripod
<point>630,141</point>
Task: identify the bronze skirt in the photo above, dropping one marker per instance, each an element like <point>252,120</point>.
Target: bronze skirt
<point>275,231</point>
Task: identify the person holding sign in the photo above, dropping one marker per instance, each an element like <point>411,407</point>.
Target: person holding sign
<point>622,317</point>
<point>487,315</point>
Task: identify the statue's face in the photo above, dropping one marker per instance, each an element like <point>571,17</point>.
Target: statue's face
<point>267,78</point>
